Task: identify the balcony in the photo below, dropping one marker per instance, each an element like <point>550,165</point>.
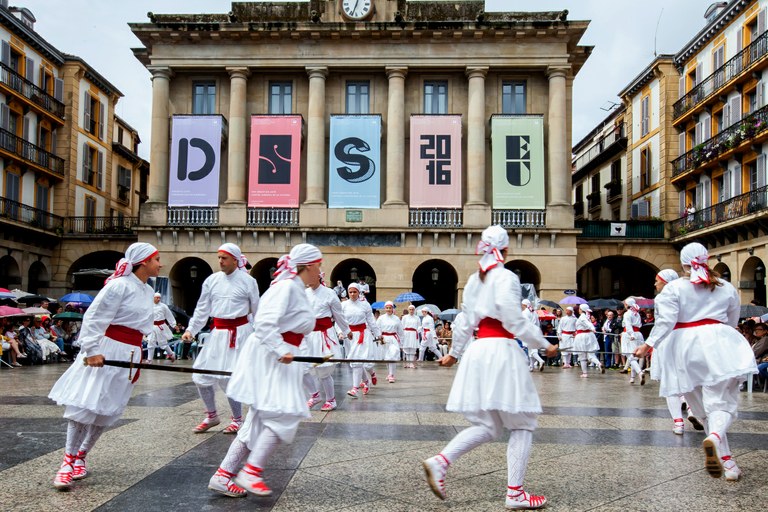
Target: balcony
<point>33,217</point>
<point>98,226</point>
<point>19,148</point>
<point>613,191</point>
<point>737,207</point>
<point>520,218</point>
<point>639,229</point>
<point>724,143</point>
<point>738,66</point>
<point>17,83</point>
<point>578,209</point>
<point>270,217</point>
<point>193,216</point>
<point>603,149</point>
<point>593,201</point>
<point>435,217</point>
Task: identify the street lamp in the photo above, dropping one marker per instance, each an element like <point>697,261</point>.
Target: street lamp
<point>353,274</point>
<point>759,274</point>
<point>193,272</point>
<point>435,275</point>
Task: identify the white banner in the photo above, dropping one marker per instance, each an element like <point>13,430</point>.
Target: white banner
<point>618,229</point>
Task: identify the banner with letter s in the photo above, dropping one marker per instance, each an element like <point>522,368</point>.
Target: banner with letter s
<point>518,161</point>
<point>435,161</point>
<point>355,162</point>
<point>195,161</point>
<point>273,174</point>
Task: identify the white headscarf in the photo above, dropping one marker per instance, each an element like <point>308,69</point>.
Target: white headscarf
<point>493,240</point>
<point>527,304</point>
<point>302,254</point>
<point>236,253</point>
<point>584,308</point>
<point>631,304</point>
<point>695,255</point>
<point>667,275</point>
<point>569,308</point>
<point>157,295</point>
<point>390,303</point>
<point>426,311</point>
<point>135,255</point>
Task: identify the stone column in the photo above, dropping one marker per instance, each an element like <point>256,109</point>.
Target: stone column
<point>559,179</point>
<point>396,137</point>
<point>476,136</point>
<point>236,149</point>
<point>316,137</point>
<point>159,146</point>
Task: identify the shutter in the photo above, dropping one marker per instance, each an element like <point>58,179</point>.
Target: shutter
<point>697,134</point>
<point>101,170</point>
<point>681,139</point>
<point>739,41</point>
<point>102,116</point>
<point>761,171</point>
<point>25,129</point>
<point>735,109</point>
<point>699,196</point>
<point>681,87</point>
<point>706,199</point>
<point>736,181</point>
<point>726,116</point>
<point>634,212</point>
<point>706,125</point>
<point>697,73</point>
<point>86,111</point>
<point>53,142</point>
<point>643,209</point>
<point>86,162</point>
<point>58,89</point>
<point>727,179</point>
<point>760,91</point>
<point>5,116</point>
<point>5,53</point>
<point>29,69</point>
<point>681,200</point>
<point>761,22</point>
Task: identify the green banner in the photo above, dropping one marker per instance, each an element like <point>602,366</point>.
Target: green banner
<point>518,162</point>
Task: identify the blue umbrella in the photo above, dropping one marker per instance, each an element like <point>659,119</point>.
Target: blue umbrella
<point>378,305</point>
<point>78,297</point>
<point>408,297</point>
<point>449,315</point>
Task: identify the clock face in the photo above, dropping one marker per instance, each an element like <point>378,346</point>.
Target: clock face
<point>356,9</point>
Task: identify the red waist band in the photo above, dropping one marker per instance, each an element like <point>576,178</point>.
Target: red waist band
<point>125,335</point>
<point>323,324</point>
<point>492,328</point>
<point>705,321</point>
<point>570,333</point>
<point>159,322</point>
<point>409,329</point>
<point>293,338</point>
<point>583,332</point>
<point>359,328</point>
<point>231,325</point>
<point>636,329</point>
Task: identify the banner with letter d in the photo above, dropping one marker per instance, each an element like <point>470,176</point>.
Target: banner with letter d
<point>195,161</point>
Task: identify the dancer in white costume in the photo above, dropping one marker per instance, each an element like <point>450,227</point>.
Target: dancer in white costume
<point>493,388</point>
<point>113,327</point>
<point>392,333</point>
<point>428,335</point>
<point>632,338</point>
<point>411,329</point>
<point>161,333</point>
<point>706,358</point>
<point>361,338</point>
<point>530,315</point>
<point>231,297</point>
<point>324,342</point>
<point>585,343</point>
<point>264,378</point>
<point>566,331</point>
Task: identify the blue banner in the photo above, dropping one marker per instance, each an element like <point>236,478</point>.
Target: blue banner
<point>355,162</point>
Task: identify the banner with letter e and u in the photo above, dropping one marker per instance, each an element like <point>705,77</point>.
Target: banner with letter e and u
<point>355,162</point>
<point>195,163</point>
<point>517,143</point>
<point>273,174</point>
<point>435,161</point>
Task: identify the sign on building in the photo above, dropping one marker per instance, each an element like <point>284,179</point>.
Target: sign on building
<point>195,161</point>
<point>355,162</point>
<point>435,161</point>
<point>275,161</point>
<point>518,162</point>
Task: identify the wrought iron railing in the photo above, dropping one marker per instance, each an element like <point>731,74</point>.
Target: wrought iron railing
<point>272,217</point>
<point>31,153</point>
<point>520,218</point>
<point>101,225</point>
<point>600,146</point>
<point>193,216</point>
<point>739,206</point>
<point>739,64</point>
<point>436,217</point>
<point>751,126</point>
<point>578,208</point>
<point>34,217</point>
<point>593,201</point>
<point>33,93</point>
<point>613,191</point>
<point>624,228</point>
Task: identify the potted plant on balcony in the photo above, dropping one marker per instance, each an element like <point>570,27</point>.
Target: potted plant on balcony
<point>613,187</point>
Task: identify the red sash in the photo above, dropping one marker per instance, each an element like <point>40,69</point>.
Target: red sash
<point>128,336</point>
<point>159,322</point>
<point>293,338</point>
<point>360,328</point>
<point>231,325</point>
<point>492,328</point>
<point>393,334</point>
<point>322,325</point>
<point>583,332</point>
<point>569,333</point>
<point>705,321</point>
<point>636,329</point>
<point>409,329</point>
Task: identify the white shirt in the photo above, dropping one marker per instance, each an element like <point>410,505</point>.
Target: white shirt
<point>326,304</point>
<point>390,323</point>
<point>225,296</point>
<point>162,312</point>
<point>567,323</point>
<point>632,319</point>
<point>285,308</point>
<point>359,312</point>
<point>410,321</point>
<point>584,323</point>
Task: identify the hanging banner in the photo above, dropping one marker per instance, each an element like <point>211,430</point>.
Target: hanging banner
<point>355,162</point>
<point>273,175</point>
<point>435,161</point>
<point>518,162</point>
<point>195,161</point>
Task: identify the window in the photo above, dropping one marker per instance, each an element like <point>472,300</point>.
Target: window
<point>616,171</point>
<point>41,196</point>
<point>752,171</point>
<point>93,167</point>
<point>645,168</point>
<point>645,115</point>
<point>641,209</point>
<point>718,59</point>
<point>46,81</point>
<point>436,97</point>
<point>280,97</point>
<point>204,98</point>
<point>90,213</point>
<point>12,182</point>
<point>358,97</point>
<point>596,184</point>
<point>579,193</point>
<point>94,113</point>
<point>123,184</point>
<point>751,101</point>
<point>120,135</point>
<point>513,98</point>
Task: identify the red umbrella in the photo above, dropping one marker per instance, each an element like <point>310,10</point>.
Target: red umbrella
<point>11,311</point>
<point>545,315</point>
<point>644,303</point>
<point>6,290</point>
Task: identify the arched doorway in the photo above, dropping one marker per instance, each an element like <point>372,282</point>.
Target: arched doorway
<point>436,281</point>
<point>186,277</point>
<point>262,273</point>
<point>753,277</point>
<point>354,269</point>
<point>91,283</point>
<point>616,277</point>
<point>10,276</point>
<point>724,271</point>
<point>38,278</point>
<point>526,272</point>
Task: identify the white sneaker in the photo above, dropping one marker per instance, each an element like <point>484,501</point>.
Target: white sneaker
<point>712,459</point>
<point>222,483</point>
<point>518,499</point>
<point>731,470</point>
<point>436,467</point>
<point>679,427</point>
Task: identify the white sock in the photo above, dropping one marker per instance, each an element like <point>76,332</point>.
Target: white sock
<point>208,395</point>
<point>327,383</point>
<point>392,367</point>
<point>235,456</point>
<point>93,434</point>
<point>466,440</point>
<point>518,453</point>
<point>76,432</point>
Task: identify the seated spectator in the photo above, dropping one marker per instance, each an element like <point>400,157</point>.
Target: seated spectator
<point>42,336</point>
<point>760,348</point>
<point>9,342</point>
<point>27,341</point>
<point>444,338</point>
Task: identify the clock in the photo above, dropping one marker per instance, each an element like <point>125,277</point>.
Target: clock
<point>356,10</point>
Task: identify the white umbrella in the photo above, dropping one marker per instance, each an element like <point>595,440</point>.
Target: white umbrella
<point>434,309</point>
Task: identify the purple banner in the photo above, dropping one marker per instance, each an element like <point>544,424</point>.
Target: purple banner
<point>195,161</point>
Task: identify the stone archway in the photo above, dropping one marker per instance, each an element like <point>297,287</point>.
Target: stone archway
<point>616,277</point>
<point>526,272</point>
<point>353,269</point>
<point>38,278</point>
<point>724,271</point>
<point>10,276</point>
<point>262,273</point>
<point>186,278</point>
<point>92,283</point>
<point>436,281</point>
<point>752,276</point>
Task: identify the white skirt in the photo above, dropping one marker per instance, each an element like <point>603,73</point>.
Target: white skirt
<point>586,342</point>
<point>493,376</point>
<point>703,356</point>
<point>410,340</point>
<point>323,343</point>
<point>364,350</point>
<point>159,336</point>
<point>216,354</point>
<point>566,342</point>
<point>391,348</point>
<point>89,392</point>
<point>628,345</point>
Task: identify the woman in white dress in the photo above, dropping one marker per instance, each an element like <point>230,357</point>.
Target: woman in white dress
<point>566,332</point>
<point>585,342</point>
<point>391,332</point>
<point>428,335</point>
<point>161,333</point>
<point>411,329</point>
<point>632,338</point>
<point>705,357</point>
<point>264,378</point>
<point>361,338</point>
<point>493,388</point>
<point>95,396</point>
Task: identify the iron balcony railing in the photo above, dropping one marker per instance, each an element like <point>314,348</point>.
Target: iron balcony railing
<point>256,217</point>
<point>193,216</point>
<point>739,206</point>
<point>34,217</point>
<point>33,93</point>
<point>736,66</point>
<point>746,129</point>
<point>600,146</point>
<point>613,189</point>
<point>31,153</point>
<point>593,201</point>
<point>101,225</point>
<point>624,229</point>
<point>520,218</point>
<point>578,208</point>
<point>436,217</point>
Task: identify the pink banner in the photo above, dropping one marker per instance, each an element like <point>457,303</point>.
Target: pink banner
<point>275,161</point>
<point>435,161</point>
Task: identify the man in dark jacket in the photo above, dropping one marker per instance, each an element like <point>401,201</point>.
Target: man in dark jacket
<point>611,329</point>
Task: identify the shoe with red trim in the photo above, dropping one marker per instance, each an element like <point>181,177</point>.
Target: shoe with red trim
<point>352,392</point>
<point>79,471</point>
<point>365,388</point>
<point>249,478</point>
<point>374,380</point>
<point>731,470</point>
<point>518,499</point>
<point>391,379</point>
<point>329,405</point>
<point>234,425</point>
<point>712,460</point>
<point>63,479</point>
<point>222,483</point>
<point>171,357</point>
<point>207,423</point>
<point>679,427</point>
<point>313,400</point>
<point>695,422</point>
<point>435,468</point>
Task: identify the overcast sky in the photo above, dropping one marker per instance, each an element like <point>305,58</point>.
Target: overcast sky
<point>621,31</point>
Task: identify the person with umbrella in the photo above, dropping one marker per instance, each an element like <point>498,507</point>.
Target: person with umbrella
<point>162,325</point>
<point>411,331</point>
<point>95,395</point>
